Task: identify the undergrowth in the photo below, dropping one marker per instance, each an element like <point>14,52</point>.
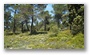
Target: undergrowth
<point>51,40</point>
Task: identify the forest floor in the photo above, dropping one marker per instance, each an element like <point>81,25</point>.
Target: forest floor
<point>49,40</point>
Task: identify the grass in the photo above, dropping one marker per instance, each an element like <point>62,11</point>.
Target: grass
<point>61,40</point>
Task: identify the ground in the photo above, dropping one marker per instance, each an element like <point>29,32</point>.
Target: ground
<point>49,40</point>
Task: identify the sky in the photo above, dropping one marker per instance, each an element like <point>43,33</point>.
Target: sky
<point>49,8</point>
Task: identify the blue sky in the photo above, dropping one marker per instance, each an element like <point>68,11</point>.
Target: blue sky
<point>49,8</point>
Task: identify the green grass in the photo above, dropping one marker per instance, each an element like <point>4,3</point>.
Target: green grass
<point>60,40</point>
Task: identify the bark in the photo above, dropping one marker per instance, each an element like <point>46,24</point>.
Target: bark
<point>7,25</point>
<point>58,23</point>
<point>31,31</point>
<point>44,25</point>
<point>27,25</point>
<point>22,27</point>
<point>14,28</point>
<point>70,26</point>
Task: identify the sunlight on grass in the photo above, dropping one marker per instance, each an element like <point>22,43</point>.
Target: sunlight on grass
<point>61,40</point>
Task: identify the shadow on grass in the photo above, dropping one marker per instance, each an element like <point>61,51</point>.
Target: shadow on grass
<point>12,33</point>
<point>40,32</point>
<point>34,33</point>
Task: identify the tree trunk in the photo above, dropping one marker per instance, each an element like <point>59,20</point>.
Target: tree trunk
<point>31,31</point>
<point>7,25</point>
<point>27,26</point>
<point>22,27</point>
<point>44,25</point>
<point>70,26</point>
<point>14,26</point>
<point>58,23</point>
<point>32,28</point>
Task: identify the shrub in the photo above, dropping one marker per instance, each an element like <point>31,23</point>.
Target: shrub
<point>77,25</point>
<point>52,34</point>
<point>54,28</point>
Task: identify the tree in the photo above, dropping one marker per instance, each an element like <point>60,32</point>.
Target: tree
<point>25,12</point>
<point>13,8</point>
<point>45,16</point>
<point>37,8</point>
<point>29,12</point>
<point>76,18</point>
<point>7,17</point>
<point>65,20</point>
<point>58,11</point>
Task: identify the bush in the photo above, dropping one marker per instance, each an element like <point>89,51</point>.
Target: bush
<point>54,28</point>
<point>77,25</point>
<point>78,41</point>
<point>53,31</point>
<point>41,29</point>
<point>52,34</point>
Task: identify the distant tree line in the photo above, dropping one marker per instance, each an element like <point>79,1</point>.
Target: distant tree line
<point>33,17</point>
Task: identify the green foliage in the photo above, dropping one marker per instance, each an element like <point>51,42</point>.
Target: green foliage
<point>77,25</point>
<point>77,41</point>
<point>45,34</point>
<point>59,8</point>
<point>53,28</point>
<point>41,29</point>
<point>51,34</point>
<point>62,40</point>
<point>76,18</point>
<point>58,11</point>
